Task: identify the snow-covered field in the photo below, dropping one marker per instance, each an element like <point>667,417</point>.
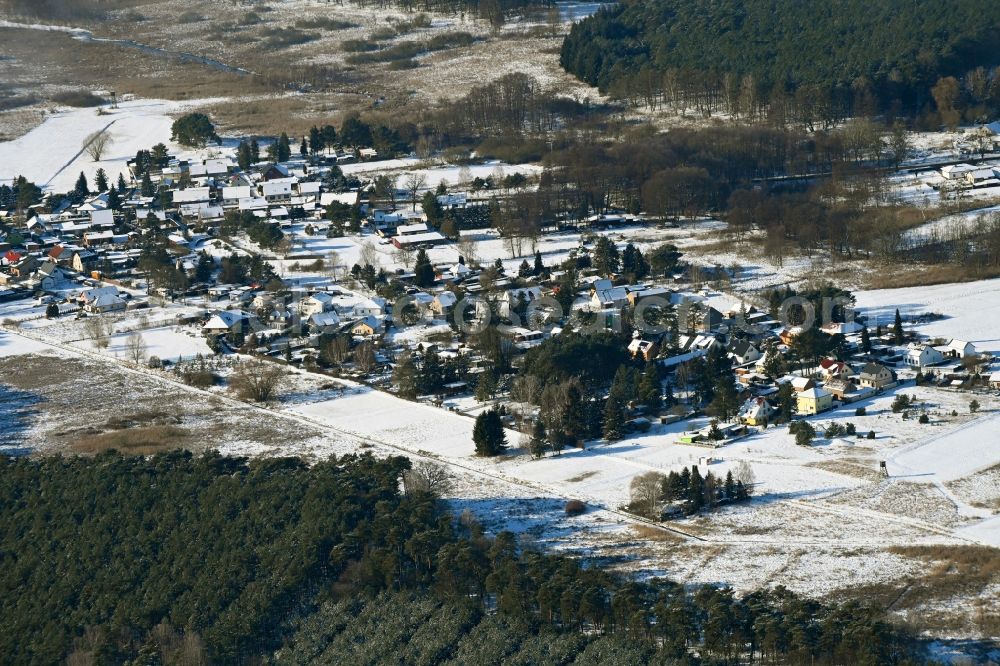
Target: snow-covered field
<point>970,310</point>
<point>52,155</point>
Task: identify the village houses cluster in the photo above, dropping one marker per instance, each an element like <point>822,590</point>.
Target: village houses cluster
<point>195,231</point>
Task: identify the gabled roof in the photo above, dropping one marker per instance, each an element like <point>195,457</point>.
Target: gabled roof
<point>872,369</point>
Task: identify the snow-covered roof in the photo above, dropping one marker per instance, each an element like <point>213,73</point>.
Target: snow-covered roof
<point>225,320</point>
<point>192,195</point>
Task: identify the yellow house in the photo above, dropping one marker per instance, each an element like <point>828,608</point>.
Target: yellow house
<point>813,401</point>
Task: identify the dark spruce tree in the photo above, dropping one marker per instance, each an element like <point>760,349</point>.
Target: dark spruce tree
<point>488,434</point>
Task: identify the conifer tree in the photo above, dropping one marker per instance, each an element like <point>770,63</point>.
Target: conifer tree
<point>423,271</point>
<point>649,388</point>
<point>695,490</point>
<point>488,434</point>
<point>81,189</point>
<point>729,489</point>
<point>114,200</point>
<point>100,180</point>
<point>574,415</point>
<point>614,420</point>
<point>537,444</point>
<point>146,187</point>
<point>284,151</point>
<point>244,157</point>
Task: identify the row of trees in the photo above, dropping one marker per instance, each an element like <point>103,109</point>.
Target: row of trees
<point>654,495</point>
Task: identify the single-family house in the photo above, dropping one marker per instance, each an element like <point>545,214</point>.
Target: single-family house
<point>832,368</point>
<point>369,307</point>
<point>84,260</point>
<point>102,299</point>
<point>922,356</point>
<point>227,321</point>
<point>994,380</point>
<point>743,352</point>
<point>511,299</point>
<point>956,171</point>
<point>876,376</point>
<point>813,401</point>
<point>315,304</point>
<point>192,195</point>
<point>839,386</point>
<point>366,327</point>
<point>644,349</point>
<point>801,384</point>
<point>443,303</point>
<point>756,412</point>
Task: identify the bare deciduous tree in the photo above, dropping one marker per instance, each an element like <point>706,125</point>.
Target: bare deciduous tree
<point>95,144</point>
<point>428,478</point>
<point>257,380</point>
<point>404,255</point>
<point>744,474</point>
<point>332,263</point>
<point>468,248</point>
<point>368,255</point>
<point>645,491</point>
<point>364,357</point>
<point>527,388</point>
<point>135,345</point>
<point>338,349</point>
<point>414,183</point>
<point>99,330</point>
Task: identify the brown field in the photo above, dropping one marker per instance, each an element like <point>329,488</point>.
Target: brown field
<point>79,410</point>
<point>298,54</point>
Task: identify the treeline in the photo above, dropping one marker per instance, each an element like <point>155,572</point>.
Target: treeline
<point>208,559</point>
<point>811,61</point>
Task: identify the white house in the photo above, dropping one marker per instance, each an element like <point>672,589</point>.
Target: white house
<point>315,304</point>
<point>960,349</point>
<point>956,171</point>
<point>369,307</point>
<point>756,411</point>
<point>922,356</point>
<point>226,321</point>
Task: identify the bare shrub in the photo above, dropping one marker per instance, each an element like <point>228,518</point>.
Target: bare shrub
<point>257,380</point>
<point>575,508</point>
<point>140,441</point>
<point>99,330</point>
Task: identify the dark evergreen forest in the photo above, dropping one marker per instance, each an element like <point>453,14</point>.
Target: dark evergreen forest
<point>820,59</point>
<point>188,560</point>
